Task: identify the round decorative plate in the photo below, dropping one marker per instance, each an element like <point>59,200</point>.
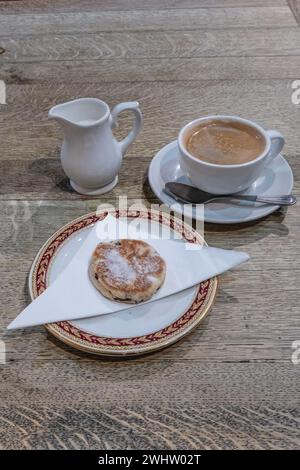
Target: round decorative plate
<point>137,330</point>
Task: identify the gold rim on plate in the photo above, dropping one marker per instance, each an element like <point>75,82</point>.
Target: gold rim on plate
<point>84,341</point>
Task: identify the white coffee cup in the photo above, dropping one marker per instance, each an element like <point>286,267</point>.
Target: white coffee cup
<point>227,179</point>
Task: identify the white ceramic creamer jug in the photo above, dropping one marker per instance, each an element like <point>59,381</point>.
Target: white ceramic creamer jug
<point>90,155</point>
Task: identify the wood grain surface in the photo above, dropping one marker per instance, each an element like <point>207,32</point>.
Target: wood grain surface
<point>231,384</point>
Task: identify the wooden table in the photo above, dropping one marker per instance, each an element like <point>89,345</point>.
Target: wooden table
<point>231,384</point>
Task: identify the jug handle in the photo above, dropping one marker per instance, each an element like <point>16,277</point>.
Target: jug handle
<point>134,107</point>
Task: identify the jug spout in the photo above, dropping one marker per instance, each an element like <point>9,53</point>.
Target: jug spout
<point>57,114</point>
<point>81,113</point>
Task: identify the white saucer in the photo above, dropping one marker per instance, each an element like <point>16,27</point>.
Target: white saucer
<point>275,180</point>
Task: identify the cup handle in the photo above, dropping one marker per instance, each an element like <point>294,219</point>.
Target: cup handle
<point>134,107</point>
<point>277,143</point>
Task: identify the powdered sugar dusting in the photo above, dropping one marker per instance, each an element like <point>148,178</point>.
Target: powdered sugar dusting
<point>118,267</point>
<point>128,271</point>
<point>152,279</point>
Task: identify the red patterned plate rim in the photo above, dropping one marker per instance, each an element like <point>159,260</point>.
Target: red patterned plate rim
<point>82,340</point>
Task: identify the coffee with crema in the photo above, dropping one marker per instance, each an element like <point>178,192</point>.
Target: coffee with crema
<point>225,142</point>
